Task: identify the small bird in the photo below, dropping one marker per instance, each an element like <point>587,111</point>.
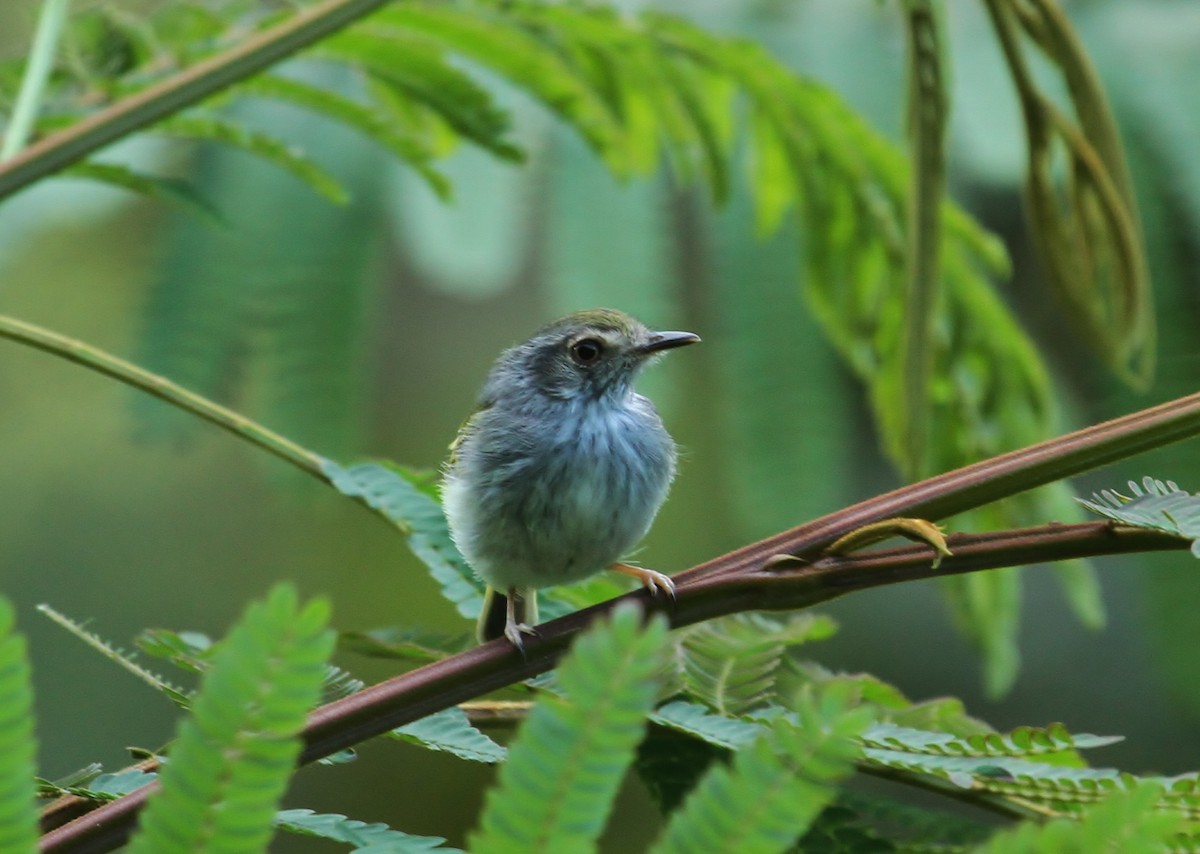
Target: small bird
<point>562,467</point>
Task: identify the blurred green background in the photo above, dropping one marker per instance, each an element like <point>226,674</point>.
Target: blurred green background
<point>365,330</point>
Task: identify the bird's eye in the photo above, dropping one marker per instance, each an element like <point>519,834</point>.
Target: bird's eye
<point>586,351</point>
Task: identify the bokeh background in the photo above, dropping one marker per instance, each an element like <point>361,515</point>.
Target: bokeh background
<point>365,330</point>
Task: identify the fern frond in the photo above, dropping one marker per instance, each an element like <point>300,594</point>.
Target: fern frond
<point>528,58</point>
<point>1130,822</point>
<point>18,815</point>
<point>732,664</point>
<point>1057,789</point>
<point>558,601</point>
<point>78,777</point>
<point>810,153</point>
<point>1021,742</point>
<point>774,787</point>
<point>180,696</point>
<point>404,643</point>
<point>99,787</point>
<point>717,729</point>
<point>391,491</point>
<point>670,764</point>
<point>339,683</point>
<point>450,731</point>
<point>418,71</point>
<point>378,838</point>
<point>565,765</point>
<point>235,753</point>
<point>211,128</point>
<point>367,119</point>
<point>174,190</point>
<point>859,822</point>
<point>190,651</point>
<point>1156,505</point>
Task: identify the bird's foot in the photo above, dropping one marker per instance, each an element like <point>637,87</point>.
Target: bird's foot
<point>654,581</point>
<point>514,628</point>
<point>515,631</point>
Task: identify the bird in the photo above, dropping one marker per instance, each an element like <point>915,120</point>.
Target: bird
<point>561,468</point>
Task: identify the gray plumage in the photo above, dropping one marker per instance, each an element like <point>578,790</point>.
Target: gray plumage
<point>563,466</point>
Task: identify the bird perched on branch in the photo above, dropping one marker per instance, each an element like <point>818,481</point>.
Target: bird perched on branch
<point>562,467</point>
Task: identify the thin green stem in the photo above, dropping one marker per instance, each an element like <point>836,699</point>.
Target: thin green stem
<point>50,23</point>
<point>162,388</point>
<point>927,123</point>
<point>188,87</point>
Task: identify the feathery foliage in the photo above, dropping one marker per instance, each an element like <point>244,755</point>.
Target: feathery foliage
<point>403,643</point>
<point>101,787</point>
<point>180,696</point>
<point>733,664</point>
<point>18,817</point>
<point>449,730</point>
<point>1155,505</point>
<point>639,89</point>
<point>377,838</point>
<point>1123,821</point>
<point>236,751</point>
<point>409,501</point>
<point>775,786</point>
<point>563,769</point>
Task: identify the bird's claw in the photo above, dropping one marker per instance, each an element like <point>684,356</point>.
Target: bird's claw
<point>514,631</point>
<point>654,581</point>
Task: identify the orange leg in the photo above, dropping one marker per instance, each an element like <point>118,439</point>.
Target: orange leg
<point>654,581</point>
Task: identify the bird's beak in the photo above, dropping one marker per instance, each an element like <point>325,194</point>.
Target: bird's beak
<point>668,341</point>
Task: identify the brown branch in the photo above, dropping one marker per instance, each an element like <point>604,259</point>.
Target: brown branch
<point>754,578</point>
<point>179,91</point>
<point>782,585</point>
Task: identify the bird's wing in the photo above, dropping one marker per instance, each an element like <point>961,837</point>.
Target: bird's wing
<point>465,430</point>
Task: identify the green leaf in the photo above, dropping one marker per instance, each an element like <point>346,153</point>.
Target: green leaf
<point>989,390</point>
<point>78,777</point>
<point>364,118</point>
<point>174,190</point>
<point>418,71</point>
<point>874,824</point>
<point>119,783</point>
<point>191,651</point>
<point>1155,505</point>
<point>717,729</point>
<point>404,643</point>
<point>450,731</point>
<point>1131,822</point>
<point>1021,742</point>
<point>180,696</point>
<point>732,664</point>
<point>775,787</point>
<point>1054,785</point>
<point>569,757</point>
<point>399,496</point>
<point>287,157</point>
<point>18,813</point>
<point>339,683</point>
<point>234,755</point>
<point>376,838</point>
<point>522,57</point>
<point>670,764</point>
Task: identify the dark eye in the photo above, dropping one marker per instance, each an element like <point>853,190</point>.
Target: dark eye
<point>586,351</point>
